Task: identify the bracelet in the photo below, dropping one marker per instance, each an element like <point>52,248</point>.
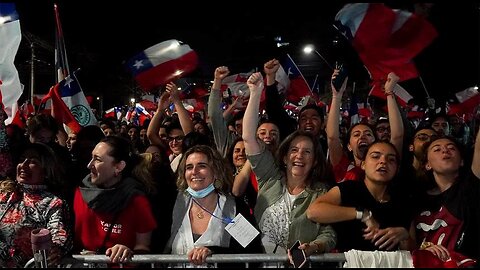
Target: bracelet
<point>359,214</point>
<point>425,245</point>
<point>390,93</point>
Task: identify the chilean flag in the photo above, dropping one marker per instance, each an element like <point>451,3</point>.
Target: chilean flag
<point>291,81</point>
<point>75,99</point>
<point>468,100</point>
<point>386,40</point>
<point>162,63</point>
<point>59,109</point>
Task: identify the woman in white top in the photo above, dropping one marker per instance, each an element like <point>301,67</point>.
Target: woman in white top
<point>286,185</point>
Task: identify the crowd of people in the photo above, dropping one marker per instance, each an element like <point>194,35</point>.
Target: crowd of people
<point>175,185</point>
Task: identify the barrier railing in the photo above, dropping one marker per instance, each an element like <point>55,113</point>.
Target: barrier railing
<point>156,260</point>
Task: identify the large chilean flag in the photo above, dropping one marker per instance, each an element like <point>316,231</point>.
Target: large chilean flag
<point>162,63</point>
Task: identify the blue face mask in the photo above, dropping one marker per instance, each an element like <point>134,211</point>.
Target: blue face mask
<point>201,193</point>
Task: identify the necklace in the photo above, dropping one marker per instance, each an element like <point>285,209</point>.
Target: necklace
<point>200,214</point>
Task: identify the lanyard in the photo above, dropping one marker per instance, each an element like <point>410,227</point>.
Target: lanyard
<point>225,220</point>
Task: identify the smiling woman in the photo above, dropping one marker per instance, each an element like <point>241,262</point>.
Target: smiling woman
<point>137,26</point>
<point>110,196</point>
<point>205,207</point>
<point>28,203</point>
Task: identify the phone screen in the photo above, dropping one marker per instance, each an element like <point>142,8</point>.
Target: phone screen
<point>342,75</point>
<point>298,255</point>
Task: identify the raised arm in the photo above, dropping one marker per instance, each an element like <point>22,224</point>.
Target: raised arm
<point>236,104</point>
<point>242,179</point>
<point>156,122</point>
<point>476,156</point>
<point>333,132</point>
<point>273,102</point>
<point>394,117</point>
<point>250,119</point>
<point>185,120</point>
<point>218,123</point>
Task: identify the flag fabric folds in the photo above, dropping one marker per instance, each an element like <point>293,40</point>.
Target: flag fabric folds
<point>74,98</point>
<point>385,39</point>
<point>10,87</point>
<point>162,63</point>
<point>59,109</point>
<point>111,113</point>
<point>292,81</point>
<point>236,85</point>
<point>464,102</point>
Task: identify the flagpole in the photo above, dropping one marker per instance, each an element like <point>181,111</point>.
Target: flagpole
<point>424,87</point>
<point>32,71</point>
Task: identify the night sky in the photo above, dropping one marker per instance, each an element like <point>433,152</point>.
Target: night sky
<point>100,36</point>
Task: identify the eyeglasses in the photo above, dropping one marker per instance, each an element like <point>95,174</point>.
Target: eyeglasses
<point>382,129</point>
<point>177,138</point>
<point>424,137</point>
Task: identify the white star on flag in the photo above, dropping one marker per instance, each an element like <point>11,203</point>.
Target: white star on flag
<point>138,64</point>
<point>68,81</point>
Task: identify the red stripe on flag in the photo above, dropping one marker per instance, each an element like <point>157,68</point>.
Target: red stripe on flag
<point>167,71</point>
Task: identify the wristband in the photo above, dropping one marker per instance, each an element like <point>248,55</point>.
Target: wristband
<point>359,213</point>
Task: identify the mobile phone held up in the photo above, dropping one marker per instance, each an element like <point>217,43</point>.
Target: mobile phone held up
<point>298,255</point>
<point>340,78</point>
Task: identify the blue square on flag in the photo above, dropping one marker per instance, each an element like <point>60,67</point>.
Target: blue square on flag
<point>162,63</point>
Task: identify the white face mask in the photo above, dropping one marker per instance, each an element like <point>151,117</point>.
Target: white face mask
<point>201,193</point>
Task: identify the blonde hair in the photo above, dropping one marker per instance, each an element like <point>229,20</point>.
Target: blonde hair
<point>142,172</point>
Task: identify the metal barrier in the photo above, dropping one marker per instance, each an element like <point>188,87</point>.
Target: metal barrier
<point>156,260</point>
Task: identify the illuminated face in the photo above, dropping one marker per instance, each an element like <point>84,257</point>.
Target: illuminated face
<point>310,122</point>
<point>360,138</point>
<point>198,171</point>
<point>30,170</point>
<point>381,163</point>
<point>443,157</point>
<point>269,134</point>
<point>103,166</point>
<point>300,158</point>
<point>175,141</point>
<point>239,156</point>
